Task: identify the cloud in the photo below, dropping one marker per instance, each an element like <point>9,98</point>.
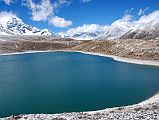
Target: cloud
<point>142,11</point>
<point>59,3</point>
<point>59,22</point>
<point>129,11</point>
<point>85,1</point>
<point>45,11</point>
<point>87,28</point>
<point>40,11</point>
<point>8,2</point>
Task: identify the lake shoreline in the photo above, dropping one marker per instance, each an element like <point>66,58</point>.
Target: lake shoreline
<point>116,58</point>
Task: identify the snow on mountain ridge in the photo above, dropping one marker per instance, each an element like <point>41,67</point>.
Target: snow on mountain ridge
<point>118,28</point>
<point>15,26</point>
<point>147,27</point>
<point>85,32</point>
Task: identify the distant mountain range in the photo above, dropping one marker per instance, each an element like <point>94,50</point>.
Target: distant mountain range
<point>147,27</point>
<point>86,35</point>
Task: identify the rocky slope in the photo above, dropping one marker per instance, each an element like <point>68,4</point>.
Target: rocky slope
<point>134,49</point>
<point>10,44</point>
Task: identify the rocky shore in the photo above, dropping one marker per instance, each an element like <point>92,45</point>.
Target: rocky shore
<point>133,51</point>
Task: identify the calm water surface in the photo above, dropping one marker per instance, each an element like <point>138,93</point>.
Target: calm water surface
<point>65,82</point>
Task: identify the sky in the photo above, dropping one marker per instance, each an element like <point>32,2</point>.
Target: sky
<point>62,15</point>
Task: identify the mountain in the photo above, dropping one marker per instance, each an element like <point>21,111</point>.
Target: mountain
<point>114,31</point>
<point>147,27</point>
<point>148,31</point>
<point>85,32</point>
<point>12,25</point>
<point>118,28</point>
<point>86,35</point>
<point>82,35</point>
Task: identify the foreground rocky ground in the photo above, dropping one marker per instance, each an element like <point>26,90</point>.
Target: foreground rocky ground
<point>133,49</point>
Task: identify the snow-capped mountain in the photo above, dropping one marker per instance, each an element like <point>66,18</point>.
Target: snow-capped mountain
<point>12,25</point>
<point>147,27</point>
<point>85,32</point>
<point>148,31</point>
<point>118,28</point>
<point>86,35</point>
<point>83,35</point>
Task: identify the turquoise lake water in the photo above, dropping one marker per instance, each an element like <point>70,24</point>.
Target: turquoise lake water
<point>71,82</point>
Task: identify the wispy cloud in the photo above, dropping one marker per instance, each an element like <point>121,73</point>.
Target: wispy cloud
<point>142,11</point>
<point>60,3</point>
<point>129,11</point>
<point>59,22</point>
<point>8,2</point>
<point>85,1</point>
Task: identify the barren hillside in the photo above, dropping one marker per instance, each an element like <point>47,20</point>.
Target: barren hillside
<point>129,48</point>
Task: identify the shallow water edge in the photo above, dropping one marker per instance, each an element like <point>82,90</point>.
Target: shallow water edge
<point>120,59</point>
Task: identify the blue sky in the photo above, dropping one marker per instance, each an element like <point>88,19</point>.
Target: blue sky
<point>73,13</point>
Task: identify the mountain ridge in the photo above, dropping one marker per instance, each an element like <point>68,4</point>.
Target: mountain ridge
<point>12,25</point>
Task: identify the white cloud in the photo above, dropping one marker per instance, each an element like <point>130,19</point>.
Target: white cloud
<point>87,28</point>
<point>45,10</point>
<point>8,2</point>
<point>85,1</point>
<point>59,22</point>
<point>40,11</point>
<point>142,11</point>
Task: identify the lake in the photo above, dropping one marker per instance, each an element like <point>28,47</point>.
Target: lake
<point>71,82</point>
